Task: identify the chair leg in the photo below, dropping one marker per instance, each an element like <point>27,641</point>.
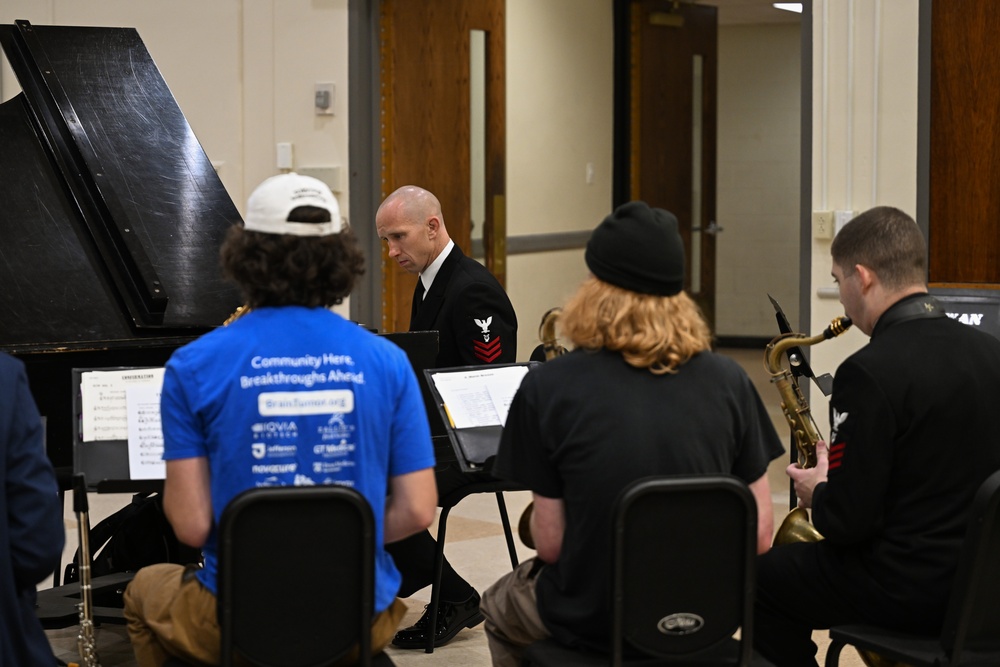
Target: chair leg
<point>833,653</point>
<point>436,584</point>
<point>511,548</point>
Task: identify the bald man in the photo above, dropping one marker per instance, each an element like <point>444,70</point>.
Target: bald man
<point>458,297</point>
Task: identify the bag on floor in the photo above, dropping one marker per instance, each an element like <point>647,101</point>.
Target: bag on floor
<point>133,537</point>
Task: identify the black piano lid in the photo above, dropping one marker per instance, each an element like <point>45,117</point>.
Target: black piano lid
<point>111,214</point>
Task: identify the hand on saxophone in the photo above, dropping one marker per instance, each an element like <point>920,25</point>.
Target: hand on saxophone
<point>806,479</point>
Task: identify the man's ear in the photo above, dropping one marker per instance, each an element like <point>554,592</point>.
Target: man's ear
<point>867,277</point>
<point>433,226</point>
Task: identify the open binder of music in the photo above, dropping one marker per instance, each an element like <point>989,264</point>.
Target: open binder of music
<point>118,442</point>
<point>473,402</point>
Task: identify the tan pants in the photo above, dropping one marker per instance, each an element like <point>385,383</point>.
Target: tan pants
<point>511,611</point>
<point>169,613</point>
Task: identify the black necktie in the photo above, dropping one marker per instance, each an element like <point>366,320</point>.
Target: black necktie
<point>418,297</point>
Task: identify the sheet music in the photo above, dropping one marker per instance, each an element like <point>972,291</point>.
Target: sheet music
<point>479,397</point>
<point>145,437</point>
<point>104,404</point>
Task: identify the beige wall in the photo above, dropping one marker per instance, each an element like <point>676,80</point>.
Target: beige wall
<point>559,119</point>
<point>758,177</point>
<point>864,137</point>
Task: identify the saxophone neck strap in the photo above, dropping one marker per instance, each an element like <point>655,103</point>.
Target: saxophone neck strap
<point>915,307</point>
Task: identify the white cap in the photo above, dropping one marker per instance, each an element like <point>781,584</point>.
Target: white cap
<point>273,200</point>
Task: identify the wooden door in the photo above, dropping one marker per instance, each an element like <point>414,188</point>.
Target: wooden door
<point>428,126</point>
<point>964,197</point>
<point>672,144</point>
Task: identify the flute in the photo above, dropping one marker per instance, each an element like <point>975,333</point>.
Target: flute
<point>85,640</point>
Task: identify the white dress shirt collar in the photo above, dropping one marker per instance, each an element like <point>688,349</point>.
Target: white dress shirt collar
<point>428,275</point>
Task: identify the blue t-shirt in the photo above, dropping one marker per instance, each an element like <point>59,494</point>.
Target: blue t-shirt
<point>296,396</point>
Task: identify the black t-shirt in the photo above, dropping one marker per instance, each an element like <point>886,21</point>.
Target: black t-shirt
<point>585,425</point>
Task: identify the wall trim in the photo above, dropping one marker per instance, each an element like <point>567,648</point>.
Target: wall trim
<point>529,243</point>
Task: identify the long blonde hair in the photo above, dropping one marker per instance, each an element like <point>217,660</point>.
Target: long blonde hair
<point>655,332</point>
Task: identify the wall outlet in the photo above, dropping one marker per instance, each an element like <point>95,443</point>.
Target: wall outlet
<point>822,225</point>
<point>323,98</point>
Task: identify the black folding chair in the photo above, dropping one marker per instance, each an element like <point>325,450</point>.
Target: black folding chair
<point>683,576</point>
<point>447,504</point>
<point>296,577</point>
<point>971,632</point>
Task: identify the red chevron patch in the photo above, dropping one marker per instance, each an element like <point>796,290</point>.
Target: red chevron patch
<point>837,455</point>
<point>487,352</point>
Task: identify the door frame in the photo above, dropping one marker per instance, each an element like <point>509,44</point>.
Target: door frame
<point>364,154</point>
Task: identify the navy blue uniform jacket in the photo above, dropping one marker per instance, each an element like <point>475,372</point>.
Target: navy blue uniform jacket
<point>471,312</point>
<point>31,522</point>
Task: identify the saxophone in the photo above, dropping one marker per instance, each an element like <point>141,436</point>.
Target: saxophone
<point>85,640</point>
<point>552,348</point>
<point>796,526</point>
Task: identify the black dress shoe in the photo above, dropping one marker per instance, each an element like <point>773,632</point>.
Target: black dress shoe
<point>452,617</point>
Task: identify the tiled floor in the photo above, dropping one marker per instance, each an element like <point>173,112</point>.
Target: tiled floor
<point>475,546</point>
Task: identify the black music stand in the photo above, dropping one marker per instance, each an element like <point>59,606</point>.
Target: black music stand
<point>421,348</point>
<point>474,445</point>
<point>104,463</point>
<point>798,364</point>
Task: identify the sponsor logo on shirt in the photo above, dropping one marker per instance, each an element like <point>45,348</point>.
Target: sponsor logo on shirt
<point>274,429</point>
<point>273,468</point>
<point>296,403</point>
<point>342,448</point>
<point>261,450</point>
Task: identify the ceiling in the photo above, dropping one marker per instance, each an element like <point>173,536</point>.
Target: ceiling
<point>732,12</point>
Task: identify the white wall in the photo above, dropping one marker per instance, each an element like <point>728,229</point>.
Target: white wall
<point>559,118</point>
<point>864,136</point>
<point>758,178</point>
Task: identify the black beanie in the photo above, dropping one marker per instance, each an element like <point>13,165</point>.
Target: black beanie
<point>638,248</point>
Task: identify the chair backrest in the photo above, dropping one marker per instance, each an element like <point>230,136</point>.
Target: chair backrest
<point>684,566</point>
<point>296,575</point>
<point>972,620</point>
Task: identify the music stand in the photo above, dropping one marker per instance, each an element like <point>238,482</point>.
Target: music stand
<point>798,364</point>
<point>472,402</point>
<point>105,462</point>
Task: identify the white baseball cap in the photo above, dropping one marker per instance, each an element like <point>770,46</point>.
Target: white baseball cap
<point>273,200</point>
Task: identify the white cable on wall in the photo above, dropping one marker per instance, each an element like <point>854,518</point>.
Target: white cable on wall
<point>849,97</point>
<point>876,68</point>
<point>825,106</point>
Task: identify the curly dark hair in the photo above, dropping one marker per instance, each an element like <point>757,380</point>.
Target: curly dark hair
<point>288,270</point>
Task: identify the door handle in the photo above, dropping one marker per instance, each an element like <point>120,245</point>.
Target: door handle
<point>712,228</point>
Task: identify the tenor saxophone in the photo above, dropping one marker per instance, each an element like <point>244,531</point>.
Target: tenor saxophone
<point>85,640</point>
<point>796,526</point>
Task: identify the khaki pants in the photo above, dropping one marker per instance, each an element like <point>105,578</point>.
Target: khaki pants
<point>169,613</point>
<point>511,611</point>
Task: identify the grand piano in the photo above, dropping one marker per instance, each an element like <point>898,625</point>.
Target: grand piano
<point>111,217</point>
